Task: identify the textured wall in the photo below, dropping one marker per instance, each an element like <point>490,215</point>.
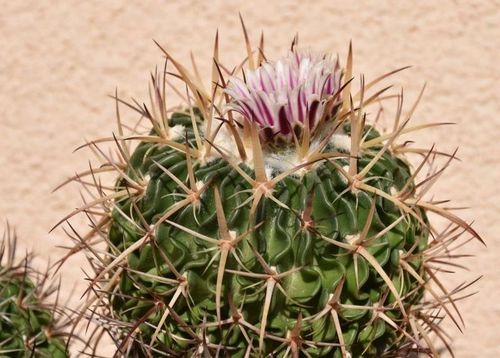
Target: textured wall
<point>59,60</point>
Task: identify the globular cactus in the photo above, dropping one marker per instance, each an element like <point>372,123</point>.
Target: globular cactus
<point>269,217</point>
<point>30,324</point>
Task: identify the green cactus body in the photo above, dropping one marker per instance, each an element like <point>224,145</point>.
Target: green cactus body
<point>28,325</point>
<point>302,264</point>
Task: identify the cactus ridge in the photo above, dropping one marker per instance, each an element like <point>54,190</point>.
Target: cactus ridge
<point>219,243</point>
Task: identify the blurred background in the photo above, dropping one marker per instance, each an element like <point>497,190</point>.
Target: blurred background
<point>61,59</point>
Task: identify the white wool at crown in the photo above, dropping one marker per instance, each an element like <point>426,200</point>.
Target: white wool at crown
<point>276,163</point>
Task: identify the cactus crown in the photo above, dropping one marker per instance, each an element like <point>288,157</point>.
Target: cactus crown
<point>268,216</point>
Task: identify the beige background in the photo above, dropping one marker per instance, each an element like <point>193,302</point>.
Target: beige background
<point>59,60</point>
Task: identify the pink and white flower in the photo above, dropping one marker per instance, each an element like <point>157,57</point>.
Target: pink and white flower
<point>283,96</point>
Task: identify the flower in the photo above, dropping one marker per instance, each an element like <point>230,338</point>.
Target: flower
<point>283,96</point>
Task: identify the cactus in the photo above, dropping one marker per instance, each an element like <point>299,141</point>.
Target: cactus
<point>269,216</point>
<point>30,326</point>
